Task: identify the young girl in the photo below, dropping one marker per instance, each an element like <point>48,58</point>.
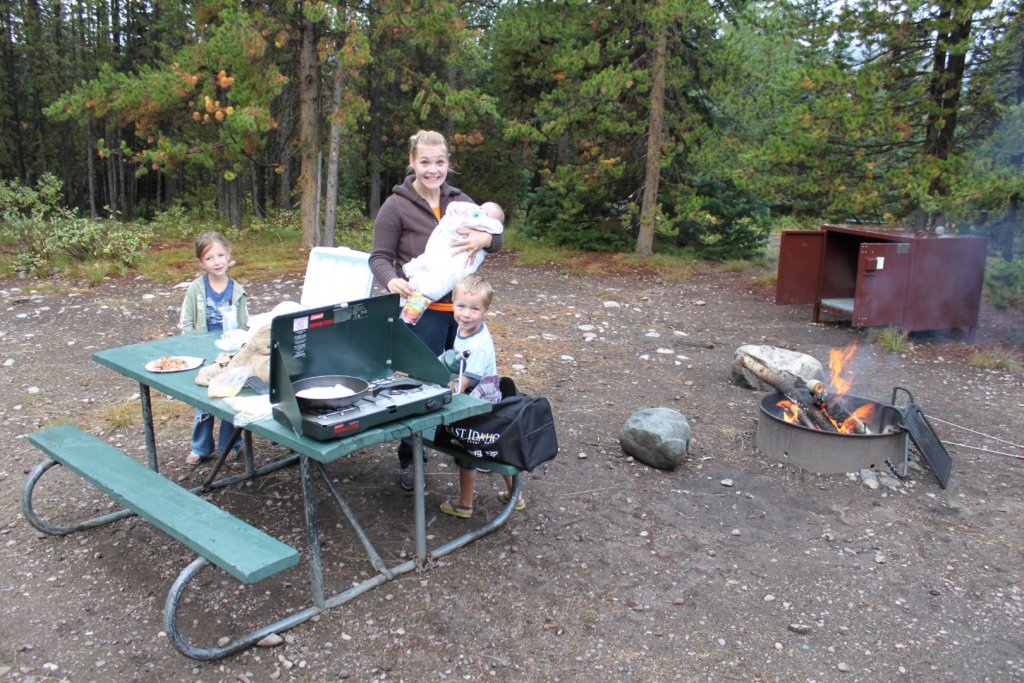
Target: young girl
<point>208,298</point>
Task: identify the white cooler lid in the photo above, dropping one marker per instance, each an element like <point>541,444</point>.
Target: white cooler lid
<point>336,275</point>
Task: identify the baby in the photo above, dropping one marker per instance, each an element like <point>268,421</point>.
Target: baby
<point>436,271</point>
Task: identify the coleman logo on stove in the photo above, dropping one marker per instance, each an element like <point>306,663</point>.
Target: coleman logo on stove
<point>342,428</point>
<point>319,320</point>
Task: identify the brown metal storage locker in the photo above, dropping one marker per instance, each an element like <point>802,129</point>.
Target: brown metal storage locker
<point>878,275</point>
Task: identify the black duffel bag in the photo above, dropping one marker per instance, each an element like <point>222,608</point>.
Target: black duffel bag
<point>520,431</point>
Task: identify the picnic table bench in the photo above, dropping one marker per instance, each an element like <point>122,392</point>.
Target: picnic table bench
<point>232,544</point>
<point>238,548</point>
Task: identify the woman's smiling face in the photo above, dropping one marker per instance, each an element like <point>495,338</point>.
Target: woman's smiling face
<point>430,164</point>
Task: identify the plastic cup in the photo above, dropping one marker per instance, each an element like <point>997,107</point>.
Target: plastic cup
<point>229,319</point>
<point>413,308</point>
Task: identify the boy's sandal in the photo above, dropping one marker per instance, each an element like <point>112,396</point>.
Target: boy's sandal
<point>520,505</point>
<point>456,510</point>
<point>193,459</point>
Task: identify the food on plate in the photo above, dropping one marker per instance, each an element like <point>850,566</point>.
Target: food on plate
<point>337,391</point>
<point>168,363</point>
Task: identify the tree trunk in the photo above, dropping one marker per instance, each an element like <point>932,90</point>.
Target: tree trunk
<point>131,188</point>
<point>90,156</point>
<point>948,63</point>
<point>655,134</point>
<point>112,180</point>
<point>451,75</point>
<point>173,181</point>
<point>11,95</point>
<point>1008,229</point>
<point>563,150</point>
<point>376,131</point>
<point>309,133</point>
<point>256,172</point>
<point>221,200</point>
<point>331,201</point>
<point>286,125</point>
<point>317,221</point>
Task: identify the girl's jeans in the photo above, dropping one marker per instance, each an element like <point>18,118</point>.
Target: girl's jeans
<point>202,434</point>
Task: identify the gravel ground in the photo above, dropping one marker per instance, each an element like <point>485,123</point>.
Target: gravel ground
<point>732,567</point>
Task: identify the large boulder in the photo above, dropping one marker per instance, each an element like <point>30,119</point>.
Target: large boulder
<point>658,437</point>
<point>791,365</point>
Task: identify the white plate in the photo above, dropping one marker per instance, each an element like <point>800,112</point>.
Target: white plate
<point>188,363</point>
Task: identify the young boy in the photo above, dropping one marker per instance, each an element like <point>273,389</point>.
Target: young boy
<point>208,299</point>
<point>472,299</point>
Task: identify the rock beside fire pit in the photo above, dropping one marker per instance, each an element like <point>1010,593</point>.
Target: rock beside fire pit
<point>789,364</point>
<point>658,437</point>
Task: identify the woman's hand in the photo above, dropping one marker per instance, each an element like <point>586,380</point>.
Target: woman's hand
<point>472,242</point>
<point>397,285</point>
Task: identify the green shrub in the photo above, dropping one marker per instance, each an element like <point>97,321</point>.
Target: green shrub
<point>1004,284</point>
<point>84,239</point>
<point>21,201</point>
<point>28,235</point>
<point>994,359</point>
<point>277,225</point>
<point>573,210</point>
<point>891,339</point>
<point>44,233</point>
<point>716,219</point>
<point>175,221</point>
<point>791,222</point>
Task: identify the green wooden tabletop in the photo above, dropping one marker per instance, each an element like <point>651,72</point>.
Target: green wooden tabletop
<point>130,361</point>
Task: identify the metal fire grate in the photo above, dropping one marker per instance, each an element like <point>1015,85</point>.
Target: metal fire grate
<point>924,438</point>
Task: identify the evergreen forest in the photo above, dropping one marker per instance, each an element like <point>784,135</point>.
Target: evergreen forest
<point>664,126</point>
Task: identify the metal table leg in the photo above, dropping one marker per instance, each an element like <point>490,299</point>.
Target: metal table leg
<point>418,503</point>
<point>316,569</point>
<point>375,559</point>
<point>147,425</point>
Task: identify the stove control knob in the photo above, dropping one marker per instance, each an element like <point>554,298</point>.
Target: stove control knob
<point>430,404</point>
<point>447,399</point>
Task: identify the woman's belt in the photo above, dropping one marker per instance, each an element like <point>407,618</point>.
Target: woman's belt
<point>446,306</point>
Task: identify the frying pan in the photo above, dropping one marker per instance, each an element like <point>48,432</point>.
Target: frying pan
<point>360,388</point>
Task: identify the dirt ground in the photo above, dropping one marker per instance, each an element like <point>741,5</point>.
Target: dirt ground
<point>733,567</point>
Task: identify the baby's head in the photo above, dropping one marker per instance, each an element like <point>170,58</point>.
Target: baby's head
<point>493,210</point>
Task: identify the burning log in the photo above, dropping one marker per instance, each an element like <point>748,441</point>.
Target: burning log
<point>844,420</point>
<point>809,414</point>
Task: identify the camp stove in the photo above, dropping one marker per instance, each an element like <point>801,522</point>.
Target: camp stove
<point>370,411</point>
<point>364,339</point>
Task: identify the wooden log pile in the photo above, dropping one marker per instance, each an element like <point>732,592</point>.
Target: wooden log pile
<point>815,409</point>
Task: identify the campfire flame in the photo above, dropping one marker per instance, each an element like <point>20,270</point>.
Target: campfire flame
<point>863,414</point>
<point>837,359</point>
<point>831,409</point>
<point>790,411</point>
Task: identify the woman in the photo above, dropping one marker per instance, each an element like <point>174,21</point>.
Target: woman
<point>400,234</point>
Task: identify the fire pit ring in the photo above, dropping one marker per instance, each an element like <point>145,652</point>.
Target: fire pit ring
<point>828,452</point>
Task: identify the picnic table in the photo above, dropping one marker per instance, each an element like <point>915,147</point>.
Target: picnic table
<point>217,536</point>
